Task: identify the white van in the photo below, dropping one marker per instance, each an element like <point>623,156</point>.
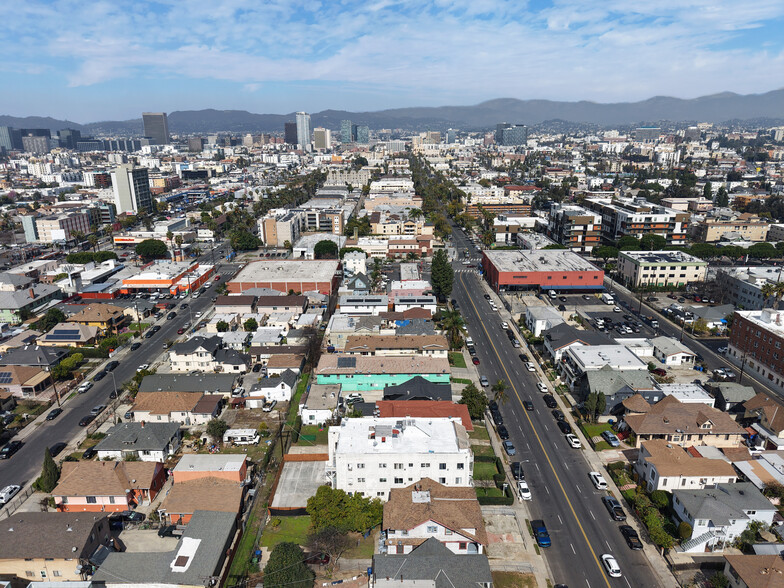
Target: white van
<point>553,295</point>
<point>598,480</point>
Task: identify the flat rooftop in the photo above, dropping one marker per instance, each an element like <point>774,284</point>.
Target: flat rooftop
<point>545,260</point>
<point>768,319</point>
<point>648,257</point>
<point>299,480</point>
<point>288,270</point>
<point>401,436</point>
<point>616,356</point>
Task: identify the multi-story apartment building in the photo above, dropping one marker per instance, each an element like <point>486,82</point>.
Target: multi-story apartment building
<point>747,227</point>
<point>61,227</point>
<point>742,286</point>
<point>370,456</point>
<point>626,216</point>
<point>757,344</point>
<point>516,200</point>
<point>575,227</point>
<point>660,268</point>
<point>132,189</point>
<point>277,229</point>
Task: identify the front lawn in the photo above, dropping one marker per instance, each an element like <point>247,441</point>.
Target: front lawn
<point>595,429</point>
<point>483,450</point>
<point>479,433</point>
<point>484,470</point>
<point>513,580</point>
<point>460,381</point>
<point>456,359</point>
<point>492,491</point>
<point>292,529</point>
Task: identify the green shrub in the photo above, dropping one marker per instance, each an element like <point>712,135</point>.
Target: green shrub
<point>684,531</point>
<point>660,499</point>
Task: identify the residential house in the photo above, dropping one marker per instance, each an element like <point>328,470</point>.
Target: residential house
<point>431,564</point>
<point>420,345</point>
<point>51,547</point>
<point>221,384</point>
<point>667,467</point>
<point>672,352</point>
<point>26,337</point>
<point>684,424</point>
<point>107,486</point>
<point>763,469</point>
<point>428,303</point>
<point>268,389</point>
<point>18,305</point>
<point>143,441</point>
<point>563,336</point>
<point>203,493</point>
<point>371,455</point>
<point>319,404</point>
<point>185,408</point>
<point>363,305</point>
<point>418,388</point>
<point>25,381</point>
<point>199,555</point>
<point>341,326</point>
<point>207,354</point>
<point>235,339</point>
<point>231,319</point>
<point>730,396</point>
<point>719,515</point>
<point>282,362</point>
<point>766,415</point>
<point>357,285</point>
<point>290,304</point>
<point>580,360</point>
<point>238,304</point>
<point>754,571</point>
<point>425,409</point>
<point>107,317</point>
<point>262,354</point>
<point>427,509</point>
<point>542,318</point>
<point>618,387</point>
<point>70,335</point>
<point>228,466</point>
<point>359,373</point>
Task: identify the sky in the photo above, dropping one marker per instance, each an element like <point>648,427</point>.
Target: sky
<point>89,61</point>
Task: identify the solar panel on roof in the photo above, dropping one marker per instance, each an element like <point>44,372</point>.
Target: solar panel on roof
<point>347,362</point>
<point>5,377</point>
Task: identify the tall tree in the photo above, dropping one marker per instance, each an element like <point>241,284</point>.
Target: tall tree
<point>500,392</point>
<point>331,541</point>
<point>454,326</point>
<point>707,191</point>
<point>722,198</point>
<point>441,274</point>
<point>590,405</point>
<point>50,474</point>
<point>286,567</point>
<point>475,400</point>
<point>325,249</point>
<point>150,249</point>
<point>601,403</point>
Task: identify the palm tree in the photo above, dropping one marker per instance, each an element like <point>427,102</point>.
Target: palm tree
<point>500,392</point>
<point>774,291</point>
<point>93,239</point>
<point>453,324</point>
<point>170,237</point>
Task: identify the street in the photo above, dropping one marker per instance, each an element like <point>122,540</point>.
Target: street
<point>25,465</point>
<point>563,496</point>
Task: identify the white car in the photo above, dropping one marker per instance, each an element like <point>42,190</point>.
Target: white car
<point>616,309</point>
<point>598,480</point>
<point>504,325</point>
<point>573,441</point>
<point>722,350</point>
<point>197,314</point>
<point>484,381</point>
<point>530,367</point>
<point>144,366</point>
<point>611,565</point>
<point>541,386</point>
<point>523,491</point>
<point>84,387</point>
<point>8,493</point>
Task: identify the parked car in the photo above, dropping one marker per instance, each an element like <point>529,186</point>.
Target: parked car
<point>149,334</point>
<point>614,508</point>
<point>112,365</point>
<point>96,410</point>
<point>180,331</point>
<point>517,470</point>
<point>565,427</point>
<point>503,432</point>
<point>256,368</point>
<point>611,438</point>
<point>171,315</point>
<point>7,493</point>
<point>631,536</point>
<point>86,420</point>
<point>530,367</point>
<point>523,491</point>
<point>509,448</point>
<point>268,406</point>
<point>135,346</point>
<point>89,453</point>
<point>10,448</point>
<point>540,533</point>
<point>549,401</point>
<point>54,413</point>
<point>98,377</point>
<point>57,448</point>
<point>541,387</point>
<point>475,360</point>
<point>143,367</point>
<point>497,418</point>
<point>558,415</point>
<point>84,387</point>
<point>573,441</point>
<point>659,372</point>
<point>167,531</point>
<point>598,480</point>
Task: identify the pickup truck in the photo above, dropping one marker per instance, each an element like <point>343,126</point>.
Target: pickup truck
<point>540,533</point>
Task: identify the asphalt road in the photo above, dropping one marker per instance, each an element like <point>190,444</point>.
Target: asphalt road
<point>25,465</point>
<point>563,496</point>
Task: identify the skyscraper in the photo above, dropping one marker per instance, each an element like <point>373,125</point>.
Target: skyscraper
<point>156,127</point>
<point>363,134</point>
<point>514,135</point>
<point>131,189</point>
<point>499,132</point>
<point>322,138</point>
<point>10,138</point>
<point>303,129</point>
<point>451,136</point>
<point>69,138</point>
<point>348,131</point>
<point>290,133</point>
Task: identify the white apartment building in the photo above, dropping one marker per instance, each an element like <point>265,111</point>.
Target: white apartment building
<point>355,262</point>
<point>370,455</point>
<point>660,268</point>
<point>664,466</point>
<point>61,227</point>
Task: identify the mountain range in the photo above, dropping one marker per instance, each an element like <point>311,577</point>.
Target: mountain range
<point>716,108</point>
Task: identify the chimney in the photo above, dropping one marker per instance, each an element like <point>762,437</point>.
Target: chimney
<point>143,424</point>
<point>32,293</point>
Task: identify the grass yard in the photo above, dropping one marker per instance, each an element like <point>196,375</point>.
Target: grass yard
<point>456,359</point>
<point>601,446</point>
<point>485,450</point>
<point>294,404</point>
<point>293,529</point>
<point>513,580</point>
<point>595,429</point>
<point>479,433</point>
<point>364,548</point>
<point>460,381</point>
<point>489,492</point>
<point>484,471</point>
<point>312,435</point>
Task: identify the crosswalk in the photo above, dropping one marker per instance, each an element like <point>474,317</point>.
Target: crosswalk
<point>467,270</point>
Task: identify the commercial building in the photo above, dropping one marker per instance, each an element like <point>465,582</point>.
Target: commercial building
<point>575,227</point>
<point>371,456</point>
<point>545,269</point>
<point>322,138</point>
<point>359,373</point>
<point>290,133</point>
<point>744,227</point>
<point>156,127</point>
<point>131,189</point>
<point>303,129</point>
<point>59,228</point>
<point>516,200</point>
<point>169,277</point>
<point>288,274</point>
<point>742,286</point>
<point>275,230</point>
<point>348,131</point>
<point>363,134</point>
<point>638,217</point>
<point>660,268</point>
<point>757,344</point>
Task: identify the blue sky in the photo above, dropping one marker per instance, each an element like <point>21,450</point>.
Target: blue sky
<point>89,61</point>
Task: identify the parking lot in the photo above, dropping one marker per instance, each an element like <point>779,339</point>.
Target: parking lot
<point>626,322</point>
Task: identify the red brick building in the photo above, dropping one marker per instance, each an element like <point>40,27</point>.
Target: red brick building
<point>287,275</point>
<point>544,269</point>
<point>757,343</point>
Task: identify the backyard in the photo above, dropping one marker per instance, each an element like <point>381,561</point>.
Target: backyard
<point>479,434</point>
<point>456,359</point>
<point>312,435</point>
<point>280,529</point>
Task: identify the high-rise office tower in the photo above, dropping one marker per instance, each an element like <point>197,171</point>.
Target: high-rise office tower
<point>156,127</point>
<point>290,133</point>
<point>499,132</point>
<point>514,135</point>
<point>451,136</point>
<point>69,138</point>
<point>36,144</point>
<point>131,189</point>
<point>303,129</point>
<point>347,131</point>
<point>322,138</point>
<point>10,138</point>
<point>195,144</point>
<point>363,134</point>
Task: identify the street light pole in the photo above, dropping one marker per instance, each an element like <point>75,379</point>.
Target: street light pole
<point>116,396</point>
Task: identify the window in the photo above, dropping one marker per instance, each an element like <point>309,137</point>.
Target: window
<point>442,480</point>
<point>360,466</point>
<point>91,500</point>
<point>398,466</point>
<point>447,532</point>
<point>360,480</point>
<point>56,573</point>
<point>432,529</point>
<point>458,481</point>
<point>442,466</point>
<point>382,466</point>
<point>43,573</point>
<point>382,480</point>
<point>751,512</point>
<point>398,480</point>
<point>462,545</point>
<point>30,574</point>
<point>460,466</point>
<point>111,500</point>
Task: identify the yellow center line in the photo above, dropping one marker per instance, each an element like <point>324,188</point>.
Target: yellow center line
<point>538,439</point>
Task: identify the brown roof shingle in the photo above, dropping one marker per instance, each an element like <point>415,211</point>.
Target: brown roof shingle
<point>207,493</point>
<point>104,478</point>
<point>670,416</point>
<point>758,571</point>
<point>166,402</point>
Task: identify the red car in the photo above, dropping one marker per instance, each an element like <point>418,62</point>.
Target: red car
<point>217,278</point>
<point>475,360</point>
<point>180,331</point>
<point>659,372</point>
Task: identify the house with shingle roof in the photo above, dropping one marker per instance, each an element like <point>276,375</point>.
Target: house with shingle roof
<point>108,318</point>
<point>684,424</point>
<point>269,389</point>
<point>562,336</point>
<point>663,466</point>
<point>420,345</point>
<point>185,408</point>
<point>730,396</point>
<point>428,509</point>
<point>143,441</point>
<point>719,515</point>
<point>767,417</point>
<point>70,335</point>
<point>107,486</point>
<point>754,571</point>
<point>206,493</point>
<point>618,386</point>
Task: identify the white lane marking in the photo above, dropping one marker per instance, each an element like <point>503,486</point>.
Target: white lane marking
<point>566,465</point>
<point>591,513</point>
<point>574,552</point>
<point>608,544</point>
<point>587,582</point>
<point>578,488</point>
<point>627,583</point>
<point>559,519</point>
<point>548,490</point>
<point>528,445</point>
<point>537,467</point>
